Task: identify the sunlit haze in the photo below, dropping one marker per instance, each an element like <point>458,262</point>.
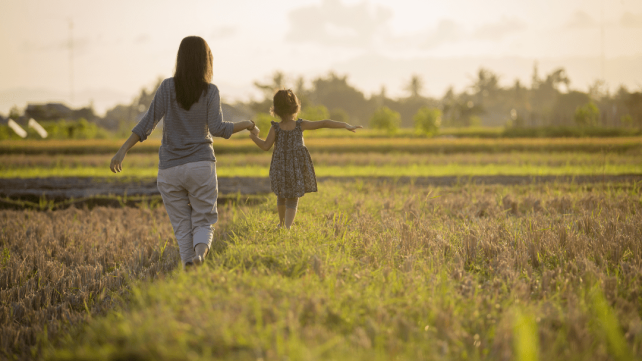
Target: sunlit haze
<point>121,46</point>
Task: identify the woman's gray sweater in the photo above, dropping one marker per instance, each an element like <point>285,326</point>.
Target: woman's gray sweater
<point>187,134</point>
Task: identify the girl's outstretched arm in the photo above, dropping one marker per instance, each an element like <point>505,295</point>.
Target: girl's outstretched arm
<point>263,144</point>
<point>311,125</point>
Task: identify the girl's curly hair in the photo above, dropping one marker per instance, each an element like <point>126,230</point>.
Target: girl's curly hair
<point>285,103</point>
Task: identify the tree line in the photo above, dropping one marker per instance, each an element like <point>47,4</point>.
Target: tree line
<point>548,101</point>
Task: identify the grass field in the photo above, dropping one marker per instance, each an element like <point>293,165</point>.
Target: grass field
<point>333,164</point>
<point>371,270</point>
<point>479,272</point>
<point>242,144</point>
<point>338,171</point>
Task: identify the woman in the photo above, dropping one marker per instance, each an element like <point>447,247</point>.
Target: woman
<point>191,107</point>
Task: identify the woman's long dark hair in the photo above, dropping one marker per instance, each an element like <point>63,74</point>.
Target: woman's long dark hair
<point>193,70</point>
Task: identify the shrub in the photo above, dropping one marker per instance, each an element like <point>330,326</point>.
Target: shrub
<point>318,112</point>
<point>386,119</point>
<point>474,121</point>
<point>62,129</point>
<point>339,115</point>
<point>587,114</point>
<point>79,129</point>
<point>8,133</point>
<point>627,120</point>
<point>427,121</point>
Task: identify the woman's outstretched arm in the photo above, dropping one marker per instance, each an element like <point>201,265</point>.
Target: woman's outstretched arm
<point>217,126</point>
<point>117,161</point>
<point>327,123</point>
<point>263,144</point>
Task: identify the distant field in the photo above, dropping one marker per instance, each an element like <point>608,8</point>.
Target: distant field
<point>355,144</point>
<point>345,157</point>
<point>342,171</point>
<point>334,165</point>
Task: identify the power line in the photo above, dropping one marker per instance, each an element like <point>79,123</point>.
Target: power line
<point>602,45</point>
<point>71,61</point>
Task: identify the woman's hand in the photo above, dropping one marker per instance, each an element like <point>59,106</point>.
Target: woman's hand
<point>117,162</point>
<point>242,125</point>
<point>352,127</point>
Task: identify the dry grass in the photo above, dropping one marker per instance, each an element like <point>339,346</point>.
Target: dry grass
<point>60,267</point>
<point>382,271</point>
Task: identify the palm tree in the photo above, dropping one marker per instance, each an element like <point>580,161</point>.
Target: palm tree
<point>278,82</point>
<point>415,86</point>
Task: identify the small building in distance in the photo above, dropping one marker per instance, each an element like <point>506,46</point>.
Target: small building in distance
<point>57,111</point>
<point>49,111</point>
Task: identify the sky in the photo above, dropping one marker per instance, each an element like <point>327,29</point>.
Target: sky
<point>120,46</point>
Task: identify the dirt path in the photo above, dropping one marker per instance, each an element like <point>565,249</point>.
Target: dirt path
<point>66,188</point>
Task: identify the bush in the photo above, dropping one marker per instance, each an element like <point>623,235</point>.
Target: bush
<point>386,119</point>
<point>80,129</point>
<point>427,121</point>
<point>627,120</point>
<point>474,121</point>
<point>319,112</point>
<point>568,132</point>
<point>587,115</point>
<point>8,133</point>
<point>339,115</point>
<point>61,129</point>
<point>264,122</point>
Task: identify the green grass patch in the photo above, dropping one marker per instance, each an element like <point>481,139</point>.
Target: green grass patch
<point>413,170</point>
<point>355,144</point>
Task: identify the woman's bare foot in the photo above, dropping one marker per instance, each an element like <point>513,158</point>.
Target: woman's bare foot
<point>201,250</point>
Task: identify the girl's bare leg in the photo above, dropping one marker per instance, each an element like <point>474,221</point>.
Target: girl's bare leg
<point>281,209</point>
<point>290,211</point>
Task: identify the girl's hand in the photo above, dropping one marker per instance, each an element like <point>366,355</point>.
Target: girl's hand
<point>352,127</point>
<point>255,131</point>
<point>117,162</point>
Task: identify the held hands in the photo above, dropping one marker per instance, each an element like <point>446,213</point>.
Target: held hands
<point>352,127</point>
<point>253,129</point>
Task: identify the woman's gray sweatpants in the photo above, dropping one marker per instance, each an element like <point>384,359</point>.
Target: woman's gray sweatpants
<point>189,193</point>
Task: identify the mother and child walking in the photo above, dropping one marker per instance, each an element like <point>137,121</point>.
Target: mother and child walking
<point>190,106</point>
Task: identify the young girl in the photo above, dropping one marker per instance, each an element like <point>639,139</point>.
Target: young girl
<point>291,171</point>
